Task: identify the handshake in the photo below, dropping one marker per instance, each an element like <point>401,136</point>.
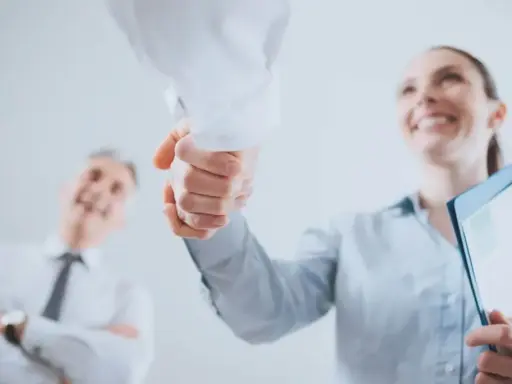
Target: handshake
<point>205,187</point>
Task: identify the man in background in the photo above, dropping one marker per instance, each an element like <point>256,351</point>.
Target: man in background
<point>64,318</point>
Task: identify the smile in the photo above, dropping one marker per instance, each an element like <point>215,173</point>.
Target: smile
<point>429,122</point>
<point>90,207</point>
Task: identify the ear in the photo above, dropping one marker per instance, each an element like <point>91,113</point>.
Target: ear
<point>498,115</point>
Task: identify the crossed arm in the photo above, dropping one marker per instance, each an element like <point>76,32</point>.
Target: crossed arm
<point>119,353</point>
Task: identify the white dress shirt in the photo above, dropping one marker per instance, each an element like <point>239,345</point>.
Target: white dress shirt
<point>217,57</point>
<point>77,346</point>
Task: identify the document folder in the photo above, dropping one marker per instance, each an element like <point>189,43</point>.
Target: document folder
<point>482,221</point>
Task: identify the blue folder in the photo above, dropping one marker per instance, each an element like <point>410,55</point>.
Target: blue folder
<point>465,206</point>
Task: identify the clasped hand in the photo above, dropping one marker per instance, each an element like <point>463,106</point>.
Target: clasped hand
<point>205,186</point>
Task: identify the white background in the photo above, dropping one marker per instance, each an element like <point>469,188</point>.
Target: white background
<point>70,84</point>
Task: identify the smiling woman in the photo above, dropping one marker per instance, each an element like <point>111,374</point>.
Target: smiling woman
<point>450,109</point>
<point>403,303</point>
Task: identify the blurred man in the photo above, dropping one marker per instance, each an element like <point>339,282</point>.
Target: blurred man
<point>64,318</point>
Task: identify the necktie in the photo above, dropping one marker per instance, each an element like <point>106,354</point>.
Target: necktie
<point>54,305</point>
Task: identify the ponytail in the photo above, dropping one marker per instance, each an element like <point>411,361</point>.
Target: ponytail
<point>494,156</point>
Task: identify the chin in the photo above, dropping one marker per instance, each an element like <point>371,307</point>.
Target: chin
<point>435,150</point>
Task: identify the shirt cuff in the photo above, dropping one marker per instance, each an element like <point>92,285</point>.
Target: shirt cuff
<point>226,243</point>
<point>38,331</point>
<point>243,124</point>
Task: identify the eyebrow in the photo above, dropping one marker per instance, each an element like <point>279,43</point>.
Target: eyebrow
<point>442,70</point>
<point>447,68</point>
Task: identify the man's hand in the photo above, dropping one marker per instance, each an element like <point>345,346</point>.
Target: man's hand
<point>123,330</point>
<point>205,186</point>
<point>493,367</point>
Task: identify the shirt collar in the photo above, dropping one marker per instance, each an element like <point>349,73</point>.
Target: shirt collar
<point>54,247</point>
<point>409,205</point>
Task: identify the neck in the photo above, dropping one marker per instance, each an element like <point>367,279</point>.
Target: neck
<point>442,183</point>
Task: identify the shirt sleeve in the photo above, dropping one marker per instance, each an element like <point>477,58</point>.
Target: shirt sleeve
<point>262,299</point>
<point>216,61</point>
<point>87,356</point>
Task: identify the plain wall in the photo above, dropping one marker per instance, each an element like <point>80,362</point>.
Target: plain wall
<point>69,84</point>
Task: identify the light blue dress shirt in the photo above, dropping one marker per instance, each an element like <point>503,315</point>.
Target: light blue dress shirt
<point>403,304</point>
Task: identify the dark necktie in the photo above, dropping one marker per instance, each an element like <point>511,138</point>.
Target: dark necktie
<point>54,305</point>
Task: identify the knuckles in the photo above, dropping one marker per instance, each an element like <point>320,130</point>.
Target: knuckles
<point>194,180</point>
<point>186,201</point>
<point>483,361</point>
<point>184,149</point>
<point>189,178</point>
<point>505,335</point>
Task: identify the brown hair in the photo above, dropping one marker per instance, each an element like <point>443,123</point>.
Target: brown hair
<point>494,151</point>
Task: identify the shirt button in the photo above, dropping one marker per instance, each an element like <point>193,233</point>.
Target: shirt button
<point>448,368</point>
<point>452,299</point>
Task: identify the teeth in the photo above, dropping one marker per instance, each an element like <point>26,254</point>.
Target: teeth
<point>429,122</point>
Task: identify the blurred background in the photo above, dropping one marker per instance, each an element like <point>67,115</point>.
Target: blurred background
<point>69,84</point>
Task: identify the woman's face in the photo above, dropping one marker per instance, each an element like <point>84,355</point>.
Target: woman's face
<point>444,112</point>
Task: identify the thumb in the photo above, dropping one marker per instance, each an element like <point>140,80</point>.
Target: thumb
<point>497,317</point>
<point>165,153</point>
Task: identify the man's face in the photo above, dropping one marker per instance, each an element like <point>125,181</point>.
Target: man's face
<point>95,204</point>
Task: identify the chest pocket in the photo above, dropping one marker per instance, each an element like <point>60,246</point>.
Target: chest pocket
<point>390,284</point>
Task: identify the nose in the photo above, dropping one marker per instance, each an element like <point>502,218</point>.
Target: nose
<point>427,96</point>
<point>97,189</point>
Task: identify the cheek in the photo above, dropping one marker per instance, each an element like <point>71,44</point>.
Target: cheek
<point>402,114</point>
<point>464,102</point>
<point>117,214</point>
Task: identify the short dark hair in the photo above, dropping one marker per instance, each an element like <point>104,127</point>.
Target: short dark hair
<point>114,154</point>
<point>494,152</point>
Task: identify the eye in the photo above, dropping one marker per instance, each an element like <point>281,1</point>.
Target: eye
<point>116,188</point>
<point>95,174</point>
<point>451,77</point>
<point>408,89</point>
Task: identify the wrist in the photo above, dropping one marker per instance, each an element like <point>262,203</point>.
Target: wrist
<point>20,329</point>
<point>13,325</point>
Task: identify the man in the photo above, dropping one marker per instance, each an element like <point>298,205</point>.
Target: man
<point>64,318</point>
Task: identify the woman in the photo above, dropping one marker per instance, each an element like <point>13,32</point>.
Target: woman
<point>404,312</point>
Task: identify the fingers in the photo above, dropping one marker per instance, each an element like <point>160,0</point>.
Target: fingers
<point>496,334</point>
<point>492,363</point>
<point>206,186</point>
<point>169,195</point>
<point>198,181</point>
<point>227,164</point>
<point>166,151</point>
<point>496,317</point>
<point>485,378</point>
<point>195,203</point>
<point>123,330</point>
<point>182,229</point>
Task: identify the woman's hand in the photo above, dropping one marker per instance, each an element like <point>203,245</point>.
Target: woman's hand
<point>493,368</point>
